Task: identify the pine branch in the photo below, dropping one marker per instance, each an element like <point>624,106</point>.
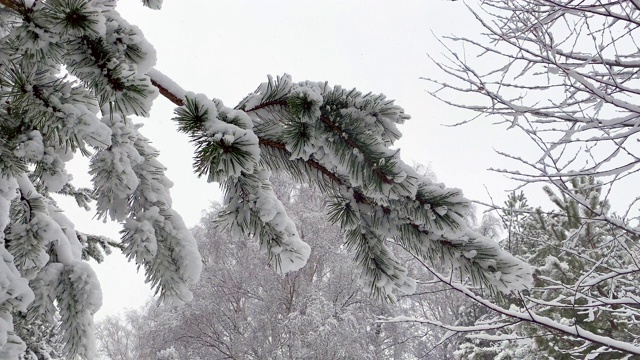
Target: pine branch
<point>268,104</point>
<point>428,229</point>
<point>314,164</point>
<point>177,100</point>
<point>338,131</point>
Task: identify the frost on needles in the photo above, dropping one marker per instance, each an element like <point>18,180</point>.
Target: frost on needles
<point>46,118</point>
<point>340,140</point>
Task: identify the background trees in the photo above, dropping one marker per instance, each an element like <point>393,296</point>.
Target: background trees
<point>119,339</point>
<point>320,311</point>
<point>584,276</point>
<point>564,73</point>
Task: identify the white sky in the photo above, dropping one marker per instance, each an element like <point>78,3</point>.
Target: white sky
<point>226,49</point>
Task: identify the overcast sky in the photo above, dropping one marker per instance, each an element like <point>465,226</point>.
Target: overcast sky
<point>226,49</point>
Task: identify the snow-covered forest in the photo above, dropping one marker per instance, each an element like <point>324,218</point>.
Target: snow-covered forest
<point>327,243</point>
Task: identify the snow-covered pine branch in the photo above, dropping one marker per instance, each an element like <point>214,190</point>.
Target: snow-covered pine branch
<point>47,117</point>
<point>340,140</point>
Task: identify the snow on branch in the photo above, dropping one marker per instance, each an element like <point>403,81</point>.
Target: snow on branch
<point>339,140</point>
<point>513,315</point>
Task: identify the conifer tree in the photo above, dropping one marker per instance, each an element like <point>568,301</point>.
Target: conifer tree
<point>585,271</point>
<point>74,72</point>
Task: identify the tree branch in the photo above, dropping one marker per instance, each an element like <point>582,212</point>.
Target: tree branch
<point>532,317</point>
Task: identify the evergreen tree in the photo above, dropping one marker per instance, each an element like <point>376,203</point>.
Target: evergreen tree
<point>585,275</point>
<point>337,139</point>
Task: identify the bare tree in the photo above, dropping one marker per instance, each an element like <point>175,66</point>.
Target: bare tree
<point>117,337</point>
<point>564,73</point>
